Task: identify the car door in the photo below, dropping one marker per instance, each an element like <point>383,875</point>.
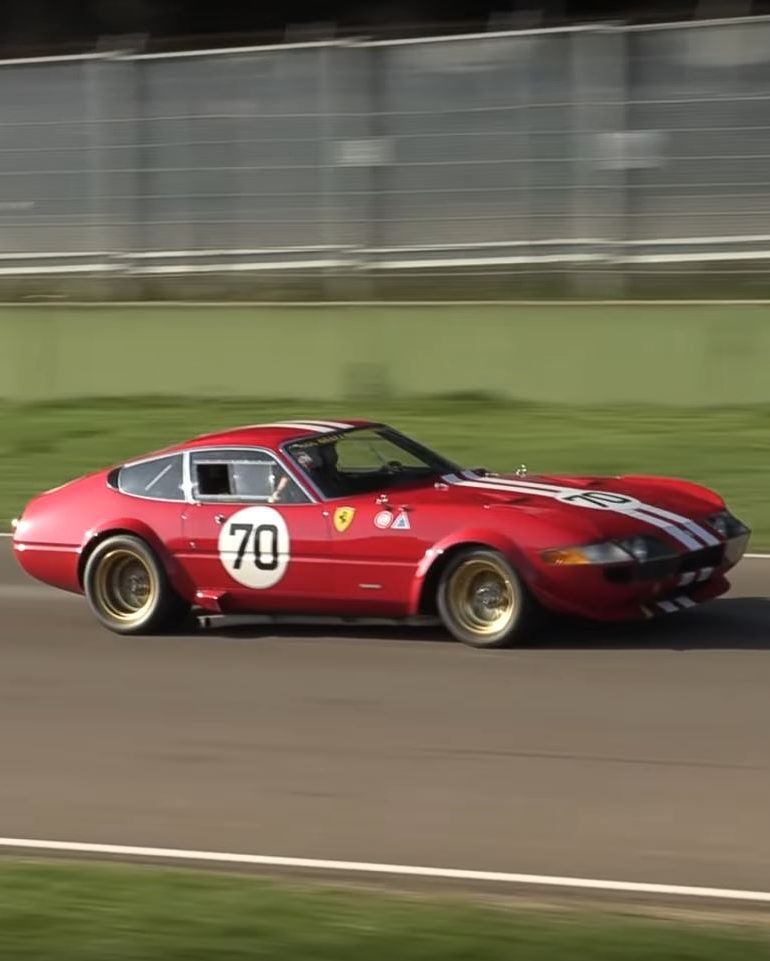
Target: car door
<point>378,529</point>
<point>378,542</point>
<point>262,556</point>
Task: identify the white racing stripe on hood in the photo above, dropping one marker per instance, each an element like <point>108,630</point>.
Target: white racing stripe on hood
<point>696,530</point>
<point>655,517</point>
<point>676,532</point>
<point>506,482</point>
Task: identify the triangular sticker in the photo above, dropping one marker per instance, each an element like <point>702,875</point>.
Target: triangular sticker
<point>401,523</point>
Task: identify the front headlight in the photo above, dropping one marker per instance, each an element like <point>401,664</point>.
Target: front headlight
<point>726,525</point>
<point>607,553</point>
<point>644,548</point>
<point>640,549</point>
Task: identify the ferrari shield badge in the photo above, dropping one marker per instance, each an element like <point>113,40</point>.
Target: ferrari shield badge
<point>343,518</point>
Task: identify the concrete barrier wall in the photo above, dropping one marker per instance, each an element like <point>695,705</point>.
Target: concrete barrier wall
<point>604,354</point>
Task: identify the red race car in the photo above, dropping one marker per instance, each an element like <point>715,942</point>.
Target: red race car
<point>355,519</point>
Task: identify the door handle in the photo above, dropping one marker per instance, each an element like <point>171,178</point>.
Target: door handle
<point>219,518</point>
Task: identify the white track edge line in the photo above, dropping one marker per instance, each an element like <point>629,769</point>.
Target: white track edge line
<point>404,870</point>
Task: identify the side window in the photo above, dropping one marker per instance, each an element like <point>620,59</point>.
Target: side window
<point>243,475</point>
<point>160,478</point>
<point>211,479</point>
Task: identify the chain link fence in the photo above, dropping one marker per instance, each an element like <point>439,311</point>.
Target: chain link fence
<point>601,159</point>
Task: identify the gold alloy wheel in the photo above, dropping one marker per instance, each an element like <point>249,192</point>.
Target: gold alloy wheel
<point>125,588</point>
<point>481,597</point>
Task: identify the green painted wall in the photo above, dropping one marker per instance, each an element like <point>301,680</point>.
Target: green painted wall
<point>606,354</point>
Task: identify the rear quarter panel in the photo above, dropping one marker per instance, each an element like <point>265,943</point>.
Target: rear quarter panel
<point>58,528</point>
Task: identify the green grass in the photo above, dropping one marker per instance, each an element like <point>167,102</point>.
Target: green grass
<point>110,913</point>
<point>42,445</point>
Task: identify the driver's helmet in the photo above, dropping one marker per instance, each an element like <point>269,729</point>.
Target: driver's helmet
<point>309,459</point>
<point>320,458</point>
<point>329,456</point>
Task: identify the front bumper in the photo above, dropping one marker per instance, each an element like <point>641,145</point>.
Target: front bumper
<point>638,591</point>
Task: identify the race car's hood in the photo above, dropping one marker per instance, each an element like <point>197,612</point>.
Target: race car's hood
<point>610,506</point>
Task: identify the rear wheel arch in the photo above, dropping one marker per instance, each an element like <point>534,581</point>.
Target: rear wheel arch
<point>90,546</point>
<point>124,529</point>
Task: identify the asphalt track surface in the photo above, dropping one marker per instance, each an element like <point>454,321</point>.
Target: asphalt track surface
<point>640,754</point>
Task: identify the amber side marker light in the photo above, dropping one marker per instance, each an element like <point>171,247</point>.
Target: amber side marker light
<point>566,556</point>
<point>605,553</point>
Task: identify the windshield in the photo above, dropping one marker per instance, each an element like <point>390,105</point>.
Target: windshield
<point>365,460</point>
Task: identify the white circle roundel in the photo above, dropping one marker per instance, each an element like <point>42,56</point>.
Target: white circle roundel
<point>254,547</point>
<point>599,500</point>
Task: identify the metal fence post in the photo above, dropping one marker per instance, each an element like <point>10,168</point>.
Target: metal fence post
<point>525,150</point>
<point>377,169</point>
<point>598,62</point>
<point>136,206</point>
<point>581,226</point>
<point>615,161</point>
<point>97,187</point>
<point>326,206</point>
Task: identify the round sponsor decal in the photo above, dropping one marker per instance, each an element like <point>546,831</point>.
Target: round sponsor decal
<point>254,547</point>
<point>600,500</point>
<point>383,520</point>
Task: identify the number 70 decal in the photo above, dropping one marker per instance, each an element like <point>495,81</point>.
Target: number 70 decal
<point>254,547</point>
<point>265,558</point>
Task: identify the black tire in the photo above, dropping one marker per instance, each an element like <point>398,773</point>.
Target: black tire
<point>470,615</point>
<point>128,589</point>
